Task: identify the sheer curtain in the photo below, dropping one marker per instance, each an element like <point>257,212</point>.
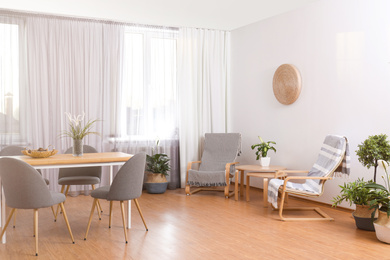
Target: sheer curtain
<point>73,66</point>
<point>123,75</point>
<point>203,66</point>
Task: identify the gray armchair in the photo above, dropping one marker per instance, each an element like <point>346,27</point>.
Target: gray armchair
<point>217,164</point>
<point>127,185</point>
<point>24,188</point>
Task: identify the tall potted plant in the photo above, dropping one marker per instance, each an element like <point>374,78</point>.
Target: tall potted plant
<point>381,202</point>
<point>157,167</point>
<point>374,148</point>
<point>262,151</point>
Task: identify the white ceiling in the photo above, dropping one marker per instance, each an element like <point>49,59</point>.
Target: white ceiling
<point>212,14</point>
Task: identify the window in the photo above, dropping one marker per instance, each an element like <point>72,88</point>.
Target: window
<point>9,79</point>
<point>149,89</point>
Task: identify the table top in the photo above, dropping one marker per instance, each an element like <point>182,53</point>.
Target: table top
<point>259,168</point>
<point>63,159</point>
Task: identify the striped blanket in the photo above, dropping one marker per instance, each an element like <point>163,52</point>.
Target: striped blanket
<point>332,151</point>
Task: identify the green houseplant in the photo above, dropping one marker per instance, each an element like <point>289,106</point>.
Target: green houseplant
<point>262,149</point>
<point>380,201</point>
<point>157,167</point>
<point>357,193</point>
<point>374,148</point>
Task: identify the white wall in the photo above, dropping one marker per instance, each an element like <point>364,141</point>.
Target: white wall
<point>342,49</point>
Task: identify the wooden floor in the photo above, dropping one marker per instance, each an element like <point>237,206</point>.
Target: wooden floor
<point>200,226</point>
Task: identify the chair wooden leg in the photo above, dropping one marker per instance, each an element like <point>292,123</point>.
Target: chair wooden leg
<point>14,219</point>
<point>58,206</point>
<point>188,190</point>
<point>140,213</point>
<point>7,222</point>
<point>123,218</point>
<point>226,191</point>
<point>90,218</point>
<point>109,222</point>
<point>99,206</point>
<point>66,221</point>
<point>54,214</point>
<point>36,230</point>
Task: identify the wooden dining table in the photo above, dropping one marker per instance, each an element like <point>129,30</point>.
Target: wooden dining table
<point>109,159</point>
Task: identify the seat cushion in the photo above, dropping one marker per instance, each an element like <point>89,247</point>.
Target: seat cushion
<point>206,178</point>
<point>100,193</point>
<point>79,180</point>
<point>57,197</point>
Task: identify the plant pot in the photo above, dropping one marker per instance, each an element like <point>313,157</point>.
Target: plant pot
<point>156,188</point>
<point>156,183</point>
<point>382,227</point>
<point>265,161</point>
<point>363,219</point>
<point>77,147</point>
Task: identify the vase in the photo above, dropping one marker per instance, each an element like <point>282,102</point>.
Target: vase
<point>265,161</point>
<point>382,227</point>
<point>77,147</point>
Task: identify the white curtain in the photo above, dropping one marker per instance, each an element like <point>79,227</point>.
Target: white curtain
<point>123,75</point>
<point>203,71</point>
<point>73,66</point>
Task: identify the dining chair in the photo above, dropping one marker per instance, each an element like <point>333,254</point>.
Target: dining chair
<point>24,188</point>
<point>217,164</point>
<point>127,185</point>
<point>14,150</point>
<point>80,175</point>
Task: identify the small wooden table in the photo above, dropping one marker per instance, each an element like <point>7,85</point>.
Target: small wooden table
<point>256,171</point>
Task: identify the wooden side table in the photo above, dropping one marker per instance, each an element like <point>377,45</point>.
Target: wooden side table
<point>256,171</point>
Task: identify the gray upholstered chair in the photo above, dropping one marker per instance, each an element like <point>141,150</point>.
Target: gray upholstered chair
<point>217,164</point>
<point>14,150</point>
<point>80,175</point>
<point>127,185</point>
<point>24,188</point>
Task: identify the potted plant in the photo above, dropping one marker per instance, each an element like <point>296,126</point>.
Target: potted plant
<point>157,167</point>
<point>380,201</point>
<point>374,148</point>
<point>262,151</point>
<point>357,193</point>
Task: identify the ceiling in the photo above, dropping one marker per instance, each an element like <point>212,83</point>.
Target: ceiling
<point>212,14</point>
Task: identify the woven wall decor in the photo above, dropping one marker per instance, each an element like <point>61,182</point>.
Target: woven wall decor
<point>287,84</point>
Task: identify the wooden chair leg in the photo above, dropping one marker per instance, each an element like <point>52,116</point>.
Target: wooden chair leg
<point>66,221</point>
<point>58,206</point>
<point>14,219</point>
<point>109,222</point>
<point>54,214</point>
<point>99,206</point>
<point>188,190</point>
<point>226,191</point>
<point>90,218</point>
<point>123,218</point>
<point>140,213</point>
<point>7,222</point>
<point>36,230</point>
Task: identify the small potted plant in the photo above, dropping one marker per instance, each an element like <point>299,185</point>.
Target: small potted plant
<point>380,201</point>
<point>157,167</point>
<point>357,193</point>
<point>374,148</point>
<point>262,151</point>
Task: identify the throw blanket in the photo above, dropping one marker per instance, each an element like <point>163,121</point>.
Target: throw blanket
<point>333,149</point>
<point>219,149</point>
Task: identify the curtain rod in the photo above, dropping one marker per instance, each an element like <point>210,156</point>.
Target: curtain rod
<point>78,18</point>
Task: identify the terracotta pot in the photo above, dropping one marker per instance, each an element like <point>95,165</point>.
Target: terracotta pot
<point>382,227</point>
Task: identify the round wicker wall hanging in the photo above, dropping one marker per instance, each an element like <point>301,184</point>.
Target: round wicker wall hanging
<point>287,84</point>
